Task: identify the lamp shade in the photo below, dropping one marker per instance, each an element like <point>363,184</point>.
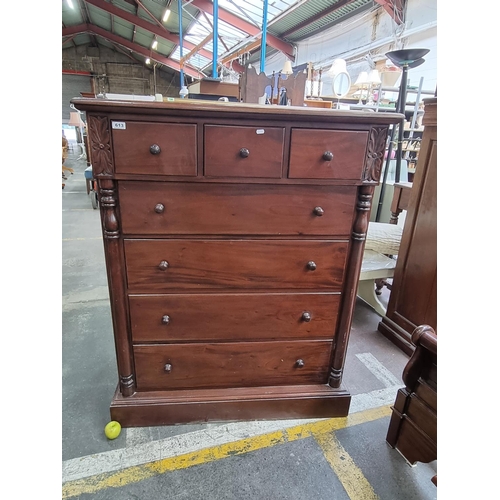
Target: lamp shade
<point>374,77</point>
<point>74,119</point>
<point>287,68</point>
<point>338,66</point>
<point>362,79</point>
<point>405,57</point>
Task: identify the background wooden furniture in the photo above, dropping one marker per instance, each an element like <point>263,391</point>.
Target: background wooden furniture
<point>413,426</point>
<point>413,299</point>
<point>233,238</point>
<point>316,103</point>
<point>253,86</point>
<point>400,200</point>
<point>214,87</point>
<point>64,156</point>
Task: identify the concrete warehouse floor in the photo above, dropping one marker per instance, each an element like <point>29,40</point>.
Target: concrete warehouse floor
<point>302,459</point>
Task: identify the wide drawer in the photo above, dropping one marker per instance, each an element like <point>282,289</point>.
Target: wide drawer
<point>155,149</point>
<point>228,209</point>
<point>185,366</point>
<point>327,154</point>
<point>163,265</point>
<point>202,317</point>
<point>243,151</point>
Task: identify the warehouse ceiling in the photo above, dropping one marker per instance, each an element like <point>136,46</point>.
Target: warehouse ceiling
<point>141,29</point>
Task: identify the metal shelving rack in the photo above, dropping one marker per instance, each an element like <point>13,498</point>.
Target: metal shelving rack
<point>392,134</point>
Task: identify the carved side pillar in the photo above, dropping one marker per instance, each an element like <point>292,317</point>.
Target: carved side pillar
<point>102,167</point>
<point>371,177</point>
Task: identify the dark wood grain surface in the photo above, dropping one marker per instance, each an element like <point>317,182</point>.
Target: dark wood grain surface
<point>234,264</point>
<point>231,364</point>
<point>413,425</point>
<point>413,299</point>
<point>311,150</point>
<point>177,143</point>
<point>234,238</point>
<point>243,151</point>
<point>233,317</point>
<point>231,209</point>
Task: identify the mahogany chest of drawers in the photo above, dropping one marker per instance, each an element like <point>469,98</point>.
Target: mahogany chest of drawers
<point>233,239</point>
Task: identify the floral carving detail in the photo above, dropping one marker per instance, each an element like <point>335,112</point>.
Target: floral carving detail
<point>375,154</point>
<point>100,145</point>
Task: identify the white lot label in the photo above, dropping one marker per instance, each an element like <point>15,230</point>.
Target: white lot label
<point>119,125</point>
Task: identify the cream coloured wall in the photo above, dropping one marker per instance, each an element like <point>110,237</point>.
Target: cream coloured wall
<point>364,39</point>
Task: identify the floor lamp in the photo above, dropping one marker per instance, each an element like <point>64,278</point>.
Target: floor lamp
<point>405,59</point>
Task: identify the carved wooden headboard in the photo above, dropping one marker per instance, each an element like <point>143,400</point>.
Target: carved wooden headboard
<point>253,86</point>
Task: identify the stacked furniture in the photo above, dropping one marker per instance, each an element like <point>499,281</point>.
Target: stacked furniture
<point>413,426</point>
<point>233,237</point>
<point>413,299</point>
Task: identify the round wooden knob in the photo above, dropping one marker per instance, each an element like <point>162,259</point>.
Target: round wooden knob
<point>311,265</point>
<point>244,152</point>
<point>155,149</point>
<point>160,208</point>
<point>165,320</point>
<point>328,156</point>
<point>318,211</point>
<point>163,265</point>
<point>168,367</point>
<point>299,363</point>
<point>306,316</point>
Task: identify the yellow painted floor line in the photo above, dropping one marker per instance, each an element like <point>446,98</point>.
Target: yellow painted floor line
<point>350,475</point>
<point>139,473</point>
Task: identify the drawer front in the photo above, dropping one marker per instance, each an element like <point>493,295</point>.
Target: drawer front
<point>186,366</point>
<point>327,154</point>
<point>155,149</point>
<point>201,317</point>
<point>228,209</point>
<point>423,417</point>
<point>163,265</point>
<point>243,151</point>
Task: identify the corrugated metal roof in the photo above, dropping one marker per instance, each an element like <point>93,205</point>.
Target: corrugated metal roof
<point>310,9</point>
<point>283,17</point>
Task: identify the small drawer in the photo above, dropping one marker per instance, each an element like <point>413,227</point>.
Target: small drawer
<point>155,148</point>
<point>149,208</point>
<point>215,317</point>
<point>423,417</point>
<point>165,265</point>
<point>188,366</point>
<point>327,154</point>
<point>243,151</point>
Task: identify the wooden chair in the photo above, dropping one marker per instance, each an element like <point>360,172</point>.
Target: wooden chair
<point>413,426</point>
<point>65,146</point>
<point>65,155</point>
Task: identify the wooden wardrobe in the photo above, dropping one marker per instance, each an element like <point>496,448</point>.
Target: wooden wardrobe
<point>413,299</point>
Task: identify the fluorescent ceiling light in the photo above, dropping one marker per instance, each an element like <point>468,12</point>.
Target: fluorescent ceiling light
<point>155,44</point>
<point>148,61</point>
<point>165,16</point>
<point>70,4</point>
